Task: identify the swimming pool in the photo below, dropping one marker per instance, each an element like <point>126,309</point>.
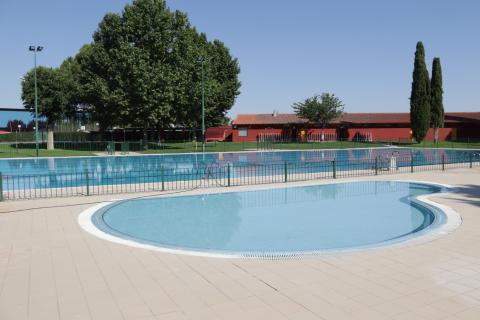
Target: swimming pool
<point>54,177</point>
<point>123,164</point>
<point>276,222</point>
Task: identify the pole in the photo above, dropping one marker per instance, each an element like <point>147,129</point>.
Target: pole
<point>36,100</point>
<point>334,169</point>
<point>87,182</point>
<point>1,187</point>
<point>228,175</point>
<point>203,105</point>
<point>162,170</point>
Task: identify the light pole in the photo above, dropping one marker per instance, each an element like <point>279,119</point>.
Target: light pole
<point>35,49</point>
<point>16,135</point>
<point>202,61</point>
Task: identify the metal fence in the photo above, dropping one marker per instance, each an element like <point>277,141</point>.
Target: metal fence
<point>221,174</point>
<point>18,149</point>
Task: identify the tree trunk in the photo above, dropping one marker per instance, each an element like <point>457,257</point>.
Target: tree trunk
<point>435,135</point>
<point>50,145</point>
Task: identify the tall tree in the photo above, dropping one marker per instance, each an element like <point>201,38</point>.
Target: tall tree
<point>143,69</point>
<point>436,103</point>
<point>54,96</point>
<point>320,110</point>
<point>420,96</point>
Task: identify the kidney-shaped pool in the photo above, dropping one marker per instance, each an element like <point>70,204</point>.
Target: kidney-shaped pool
<point>275,222</point>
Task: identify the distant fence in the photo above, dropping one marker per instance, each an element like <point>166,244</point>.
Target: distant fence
<point>307,137</point>
<point>16,149</point>
<point>219,174</point>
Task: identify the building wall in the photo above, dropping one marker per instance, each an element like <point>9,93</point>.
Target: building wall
<point>375,134</point>
<point>395,134</point>
<point>254,131</point>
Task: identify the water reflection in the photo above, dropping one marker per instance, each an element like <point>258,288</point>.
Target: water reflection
<point>286,219</point>
<point>189,166</point>
<point>165,219</point>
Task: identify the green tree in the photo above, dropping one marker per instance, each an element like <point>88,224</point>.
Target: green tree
<point>55,92</point>
<point>321,110</point>
<point>143,69</point>
<point>420,96</point>
<point>437,112</point>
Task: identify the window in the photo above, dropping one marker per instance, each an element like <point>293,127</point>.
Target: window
<point>242,132</point>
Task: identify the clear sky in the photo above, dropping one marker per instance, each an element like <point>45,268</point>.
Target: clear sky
<point>288,50</point>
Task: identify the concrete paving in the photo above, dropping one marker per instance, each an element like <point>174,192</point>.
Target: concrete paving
<point>50,268</point>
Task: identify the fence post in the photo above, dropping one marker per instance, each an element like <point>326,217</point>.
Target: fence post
<point>411,163</point>
<point>443,162</point>
<point>228,174</point>
<point>334,169</point>
<point>162,172</point>
<point>376,165</point>
<point>285,171</point>
<point>1,187</point>
<point>471,162</point>
<point>87,182</point>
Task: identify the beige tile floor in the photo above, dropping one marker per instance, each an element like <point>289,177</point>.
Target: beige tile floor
<point>51,269</point>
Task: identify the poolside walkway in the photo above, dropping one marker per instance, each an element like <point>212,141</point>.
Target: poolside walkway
<point>50,268</point>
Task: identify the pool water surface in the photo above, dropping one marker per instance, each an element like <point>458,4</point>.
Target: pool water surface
<point>70,172</point>
<point>281,221</point>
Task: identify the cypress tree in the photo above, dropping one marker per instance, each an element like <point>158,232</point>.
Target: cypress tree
<point>436,101</point>
<point>420,96</point>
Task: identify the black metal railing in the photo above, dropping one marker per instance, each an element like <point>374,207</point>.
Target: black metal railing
<point>222,174</point>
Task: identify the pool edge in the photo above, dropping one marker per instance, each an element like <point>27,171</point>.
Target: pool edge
<point>453,221</point>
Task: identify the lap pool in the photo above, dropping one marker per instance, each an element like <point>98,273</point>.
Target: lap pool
<point>287,221</point>
<point>113,170</point>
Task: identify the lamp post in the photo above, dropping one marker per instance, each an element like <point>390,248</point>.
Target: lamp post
<point>35,49</point>
<point>16,135</point>
<point>202,61</point>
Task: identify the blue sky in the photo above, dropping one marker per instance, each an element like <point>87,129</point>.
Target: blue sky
<point>288,50</point>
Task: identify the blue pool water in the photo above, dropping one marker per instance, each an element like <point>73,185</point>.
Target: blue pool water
<point>71,172</point>
<point>122,164</point>
<point>292,220</point>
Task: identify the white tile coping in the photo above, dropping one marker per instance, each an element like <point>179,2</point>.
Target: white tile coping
<point>453,221</point>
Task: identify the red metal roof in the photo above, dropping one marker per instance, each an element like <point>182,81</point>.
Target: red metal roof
<point>353,118</point>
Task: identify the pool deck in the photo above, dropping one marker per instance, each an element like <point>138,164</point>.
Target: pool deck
<point>50,268</point>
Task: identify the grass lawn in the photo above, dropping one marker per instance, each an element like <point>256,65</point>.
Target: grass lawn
<point>8,152</point>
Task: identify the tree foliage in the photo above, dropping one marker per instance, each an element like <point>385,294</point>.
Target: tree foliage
<point>143,69</point>
<point>57,92</point>
<point>52,93</point>
<point>436,111</point>
<point>420,96</point>
<point>321,109</point>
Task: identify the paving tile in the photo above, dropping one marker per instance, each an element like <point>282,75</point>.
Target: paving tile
<point>52,269</point>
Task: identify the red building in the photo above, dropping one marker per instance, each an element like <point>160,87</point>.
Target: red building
<point>350,126</point>
<point>218,133</point>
